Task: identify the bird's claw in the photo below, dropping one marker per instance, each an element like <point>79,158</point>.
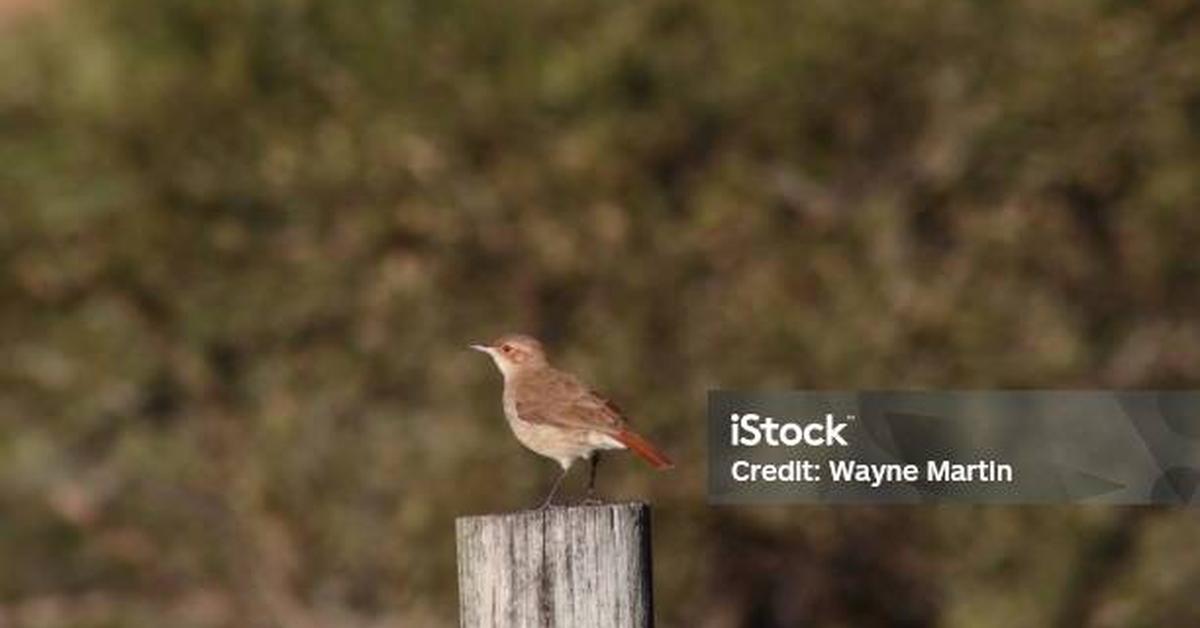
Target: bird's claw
<point>591,500</point>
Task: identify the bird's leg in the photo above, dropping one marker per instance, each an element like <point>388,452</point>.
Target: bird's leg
<point>554,489</point>
<point>591,490</point>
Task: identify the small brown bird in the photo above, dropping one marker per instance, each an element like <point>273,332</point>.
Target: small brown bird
<point>555,415</point>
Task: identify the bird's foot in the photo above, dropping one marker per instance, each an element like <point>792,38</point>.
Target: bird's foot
<point>592,500</point>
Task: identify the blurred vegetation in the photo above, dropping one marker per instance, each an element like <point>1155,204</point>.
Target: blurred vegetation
<point>244,245</point>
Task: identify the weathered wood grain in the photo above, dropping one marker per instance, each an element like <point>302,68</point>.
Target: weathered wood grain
<point>562,567</point>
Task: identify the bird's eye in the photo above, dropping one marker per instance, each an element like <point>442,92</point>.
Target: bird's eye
<point>507,348</point>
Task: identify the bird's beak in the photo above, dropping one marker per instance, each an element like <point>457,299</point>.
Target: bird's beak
<point>483,348</point>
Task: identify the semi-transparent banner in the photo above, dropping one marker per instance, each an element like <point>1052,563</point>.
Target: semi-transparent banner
<point>1109,447</point>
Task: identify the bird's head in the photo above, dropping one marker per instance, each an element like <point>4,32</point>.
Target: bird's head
<point>514,352</point>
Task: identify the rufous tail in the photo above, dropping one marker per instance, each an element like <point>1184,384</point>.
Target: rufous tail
<point>643,448</point>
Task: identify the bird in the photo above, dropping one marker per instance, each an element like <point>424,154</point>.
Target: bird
<point>554,414</point>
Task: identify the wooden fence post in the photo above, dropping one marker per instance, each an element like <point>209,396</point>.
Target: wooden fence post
<point>562,567</point>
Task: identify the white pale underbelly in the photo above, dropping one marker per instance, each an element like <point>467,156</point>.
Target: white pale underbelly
<point>563,445</point>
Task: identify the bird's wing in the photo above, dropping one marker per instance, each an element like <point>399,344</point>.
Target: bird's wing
<point>564,401</point>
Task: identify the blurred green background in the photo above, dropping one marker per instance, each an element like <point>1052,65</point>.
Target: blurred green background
<point>245,244</point>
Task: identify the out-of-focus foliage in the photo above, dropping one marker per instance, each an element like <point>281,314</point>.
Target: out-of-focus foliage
<point>244,244</point>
